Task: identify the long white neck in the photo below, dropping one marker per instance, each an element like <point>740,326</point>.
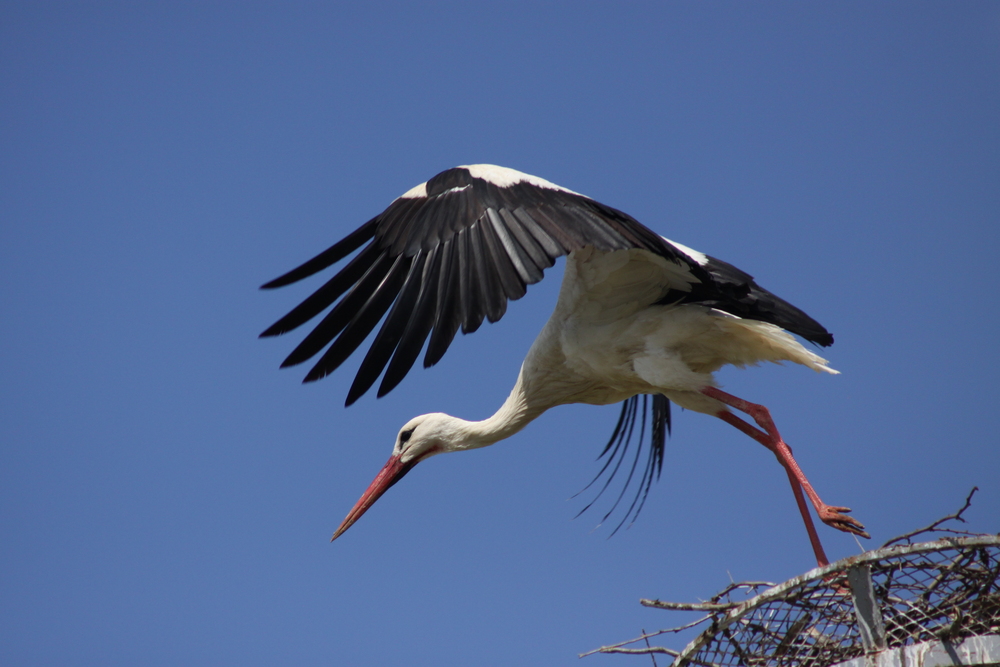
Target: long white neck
<point>515,413</point>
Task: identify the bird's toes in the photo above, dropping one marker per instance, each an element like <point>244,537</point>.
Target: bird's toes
<point>835,518</point>
<point>852,526</point>
<point>833,509</point>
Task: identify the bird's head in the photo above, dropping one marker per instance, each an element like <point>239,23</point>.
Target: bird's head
<point>421,438</point>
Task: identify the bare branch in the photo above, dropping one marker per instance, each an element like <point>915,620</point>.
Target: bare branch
<point>652,656</point>
<point>688,606</point>
<point>645,651</point>
<point>956,516</point>
<point>712,606</point>
<point>641,651</point>
<point>753,585</point>
<point>644,636</point>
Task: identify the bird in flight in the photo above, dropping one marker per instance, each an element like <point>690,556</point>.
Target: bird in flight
<point>638,318</point>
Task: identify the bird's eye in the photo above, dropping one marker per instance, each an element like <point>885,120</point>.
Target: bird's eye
<point>404,436</point>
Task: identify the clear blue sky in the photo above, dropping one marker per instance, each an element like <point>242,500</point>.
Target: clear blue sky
<point>167,494</point>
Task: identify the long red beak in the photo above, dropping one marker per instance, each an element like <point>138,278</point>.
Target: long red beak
<point>391,472</point>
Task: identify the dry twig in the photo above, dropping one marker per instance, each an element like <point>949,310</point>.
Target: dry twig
<point>934,526</point>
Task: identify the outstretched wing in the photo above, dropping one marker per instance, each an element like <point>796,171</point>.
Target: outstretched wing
<point>447,254</point>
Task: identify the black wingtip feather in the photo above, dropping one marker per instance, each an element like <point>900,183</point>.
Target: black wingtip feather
<point>417,329</point>
<point>343,313</point>
<point>734,291</point>
<point>334,253</point>
<point>824,340</point>
<point>389,334</point>
<point>365,318</point>
<point>329,292</point>
<point>449,311</point>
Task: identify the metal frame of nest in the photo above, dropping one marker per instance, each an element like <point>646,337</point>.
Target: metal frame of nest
<point>933,603</point>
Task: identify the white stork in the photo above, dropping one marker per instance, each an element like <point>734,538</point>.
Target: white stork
<point>637,315</point>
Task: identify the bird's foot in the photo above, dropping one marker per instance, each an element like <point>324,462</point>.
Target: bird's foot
<point>835,517</point>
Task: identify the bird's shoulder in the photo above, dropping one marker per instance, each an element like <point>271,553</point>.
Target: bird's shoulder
<point>608,285</point>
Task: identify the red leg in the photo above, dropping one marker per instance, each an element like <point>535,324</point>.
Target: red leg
<point>763,439</point>
<point>828,514</point>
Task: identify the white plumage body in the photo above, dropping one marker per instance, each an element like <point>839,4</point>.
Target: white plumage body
<point>608,339</point>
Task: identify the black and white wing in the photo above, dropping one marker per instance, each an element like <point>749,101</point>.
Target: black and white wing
<point>734,291</point>
<point>447,254</point>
